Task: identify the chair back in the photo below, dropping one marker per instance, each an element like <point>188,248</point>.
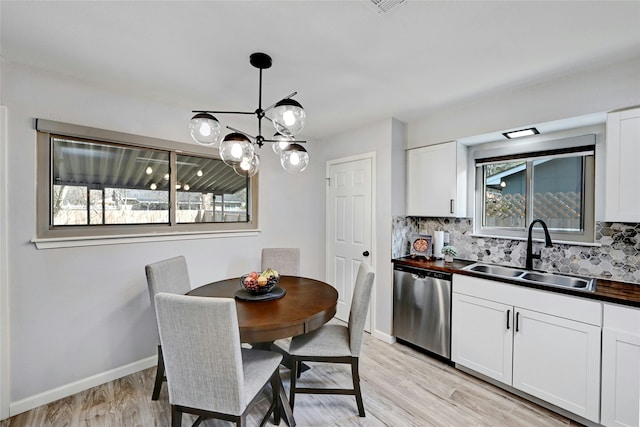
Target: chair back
<point>360,306</point>
<point>286,261</point>
<point>202,354</point>
<point>170,275</point>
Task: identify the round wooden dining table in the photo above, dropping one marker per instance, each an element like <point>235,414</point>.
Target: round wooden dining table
<point>307,305</point>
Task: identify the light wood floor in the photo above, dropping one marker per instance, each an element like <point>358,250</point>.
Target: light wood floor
<point>401,387</point>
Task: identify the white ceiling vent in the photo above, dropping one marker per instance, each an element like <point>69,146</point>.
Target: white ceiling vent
<point>384,6</point>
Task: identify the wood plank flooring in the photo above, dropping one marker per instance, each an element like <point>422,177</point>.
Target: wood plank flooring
<point>401,388</point>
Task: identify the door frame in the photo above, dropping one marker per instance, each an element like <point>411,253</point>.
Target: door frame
<point>371,323</point>
<point>5,400</point>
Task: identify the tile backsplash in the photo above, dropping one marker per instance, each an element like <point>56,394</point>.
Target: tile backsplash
<point>617,257</point>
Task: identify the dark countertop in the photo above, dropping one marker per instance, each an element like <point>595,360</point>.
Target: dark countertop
<point>606,290</point>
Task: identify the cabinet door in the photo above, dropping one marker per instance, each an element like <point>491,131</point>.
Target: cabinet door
<point>436,179</point>
<point>558,360</point>
<point>622,198</point>
<point>481,336</point>
<point>620,378</point>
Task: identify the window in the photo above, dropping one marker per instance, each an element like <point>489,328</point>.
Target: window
<point>95,182</point>
<point>556,186</point>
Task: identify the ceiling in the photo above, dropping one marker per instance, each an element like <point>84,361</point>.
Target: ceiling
<point>350,64</point>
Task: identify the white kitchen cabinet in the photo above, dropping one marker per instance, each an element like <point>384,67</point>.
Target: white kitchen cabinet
<point>620,366</point>
<point>622,198</point>
<point>481,338</point>
<point>544,344</point>
<point>437,180</point>
<point>558,360</point>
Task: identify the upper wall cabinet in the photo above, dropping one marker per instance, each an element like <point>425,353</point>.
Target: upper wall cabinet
<point>622,198</point>
<point>437,180</point>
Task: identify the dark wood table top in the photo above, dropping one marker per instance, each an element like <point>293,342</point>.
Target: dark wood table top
<point>307,305</point>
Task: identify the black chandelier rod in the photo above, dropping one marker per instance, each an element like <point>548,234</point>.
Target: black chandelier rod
<point>274,104</point>
<point>263,140</point>
<point>223,112</point>
<point>245,112</point>
<point>260,112</point>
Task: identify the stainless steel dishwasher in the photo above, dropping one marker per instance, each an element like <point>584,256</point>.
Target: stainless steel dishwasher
<point>422,308</point>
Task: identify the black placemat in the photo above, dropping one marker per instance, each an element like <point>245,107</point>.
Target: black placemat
<point>275,293</point>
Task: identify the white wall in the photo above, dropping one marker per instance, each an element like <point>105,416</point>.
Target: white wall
<point>4,282</point>
<point>77,314</point>
<point>596,90</point>
<point>386,139</point>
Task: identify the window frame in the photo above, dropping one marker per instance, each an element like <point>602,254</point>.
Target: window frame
<point>46,231</point>
<point>586,236</point>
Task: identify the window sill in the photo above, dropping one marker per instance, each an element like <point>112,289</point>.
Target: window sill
<point>523,239</point>
<point>72,242</point>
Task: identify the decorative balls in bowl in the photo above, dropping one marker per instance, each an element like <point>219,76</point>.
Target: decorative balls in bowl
<point>260,283</point>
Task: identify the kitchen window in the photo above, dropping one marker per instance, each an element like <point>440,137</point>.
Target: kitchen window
<point>556,186</point>
<point>99,183</point>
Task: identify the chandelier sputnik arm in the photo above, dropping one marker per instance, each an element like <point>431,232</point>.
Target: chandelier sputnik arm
<point>263,140</point>
<point>237,148</point>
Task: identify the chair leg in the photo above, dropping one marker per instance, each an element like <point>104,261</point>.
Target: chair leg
<point>300,368</point>
<point>356,385</point>
<point>176,417</point>
<point>275,388</point>
<point>159,376</point>
<point>294,374</point>
<point>287,412</point>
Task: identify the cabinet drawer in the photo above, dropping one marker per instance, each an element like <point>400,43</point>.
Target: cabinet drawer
<point>622,318</point>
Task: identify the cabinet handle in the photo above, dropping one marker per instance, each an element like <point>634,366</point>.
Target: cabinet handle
<point>508,316</point>
<point>451,205</point>
<point>517,321</point>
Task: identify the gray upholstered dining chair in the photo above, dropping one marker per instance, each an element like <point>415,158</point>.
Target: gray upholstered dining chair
<point>334,343</point>
<point>286,261</point>
<point>209,374</point>
<point>170,275</point>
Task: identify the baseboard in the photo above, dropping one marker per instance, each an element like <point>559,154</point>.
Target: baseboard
<point>382,336</point>
<point>52,395</point>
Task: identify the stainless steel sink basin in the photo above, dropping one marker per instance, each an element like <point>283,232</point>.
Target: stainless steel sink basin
<point>495,270</point>
<point>559,280</point>
<point>547,279</point>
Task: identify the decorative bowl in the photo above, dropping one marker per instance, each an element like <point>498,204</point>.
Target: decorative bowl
<point>255,288</point>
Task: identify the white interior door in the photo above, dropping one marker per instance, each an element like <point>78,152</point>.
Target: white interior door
<point>349,225</point>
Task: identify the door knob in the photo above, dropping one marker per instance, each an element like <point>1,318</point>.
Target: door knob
<point>365,253</point>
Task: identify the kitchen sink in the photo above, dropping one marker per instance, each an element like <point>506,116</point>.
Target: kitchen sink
<point>548,279</point>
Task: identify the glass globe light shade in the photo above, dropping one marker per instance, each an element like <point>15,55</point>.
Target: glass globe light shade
<point>248,168</point>
<point>205,129</point>
<point>281,142</point>
<point>288,117</point>
<point>294,158</point>
<point>235,148</point>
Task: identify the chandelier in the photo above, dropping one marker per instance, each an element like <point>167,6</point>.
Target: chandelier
<point>237,149</point>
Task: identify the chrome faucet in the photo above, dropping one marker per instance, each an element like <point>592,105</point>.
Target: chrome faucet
<point>547,240</point>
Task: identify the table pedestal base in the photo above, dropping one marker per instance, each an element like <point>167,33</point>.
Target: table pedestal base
<point>286,357</point>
